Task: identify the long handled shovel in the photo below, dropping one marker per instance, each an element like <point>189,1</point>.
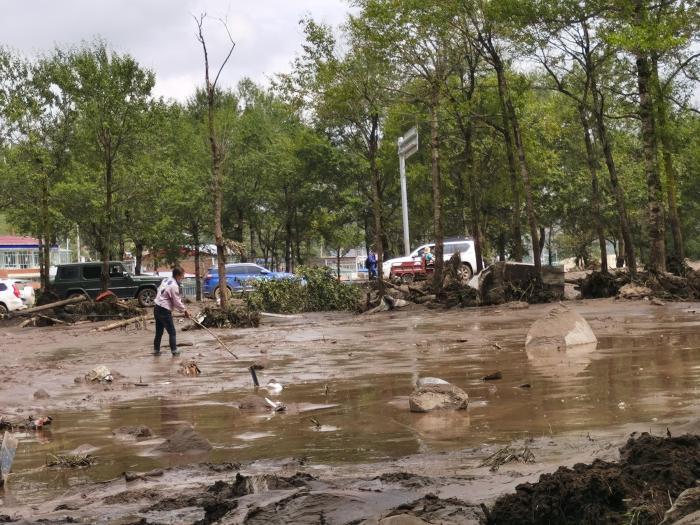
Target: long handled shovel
<point>215,336</point>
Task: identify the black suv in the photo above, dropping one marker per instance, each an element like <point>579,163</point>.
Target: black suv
<point>77,279</point>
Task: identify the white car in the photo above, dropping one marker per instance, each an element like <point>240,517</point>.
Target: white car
<point>10,297</point>
<point>464,247</point>
<point>26,291</point>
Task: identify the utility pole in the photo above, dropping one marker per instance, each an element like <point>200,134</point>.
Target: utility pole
<point>408,145</point>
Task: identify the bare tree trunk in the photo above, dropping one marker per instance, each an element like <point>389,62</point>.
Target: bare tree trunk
<point>45,249</point>
<point>601,128</point>
<point>197,262</point>
<point>437,189</point>
<point>657,249</point>
<point>372,150</point>
<point>595,189</point>
<point>669,171</point>
<point>138,247</point>
<point>107,226</point>
<point>510,155</point>
<point>525,175</point>
<point>216,159</point>
<point>337,262</point>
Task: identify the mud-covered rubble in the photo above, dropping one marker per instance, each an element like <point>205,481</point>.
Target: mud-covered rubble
<point>652,471</point>
<point>270,499</point>
<point>645,285</point>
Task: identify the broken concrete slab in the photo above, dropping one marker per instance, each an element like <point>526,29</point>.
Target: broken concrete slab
<point>560,329</point>
<point>438,397</point>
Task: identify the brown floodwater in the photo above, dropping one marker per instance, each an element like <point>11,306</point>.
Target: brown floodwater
<point>346,387</point>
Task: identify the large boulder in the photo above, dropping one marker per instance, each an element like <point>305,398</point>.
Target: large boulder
<point>560,329</point>
<point>429,397</point>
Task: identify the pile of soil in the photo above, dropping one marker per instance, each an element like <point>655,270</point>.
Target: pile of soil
<point>661,285</point>
<point>651,469</point>
<point>185,441</point>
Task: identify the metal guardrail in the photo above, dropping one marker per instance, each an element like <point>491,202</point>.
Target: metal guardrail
<point>188,288</point>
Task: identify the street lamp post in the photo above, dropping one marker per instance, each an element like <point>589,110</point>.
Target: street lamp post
<point>408,145</point>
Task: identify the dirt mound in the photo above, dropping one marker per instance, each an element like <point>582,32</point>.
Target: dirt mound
<point>185,441</point>
<point>650,471</point>
<point>645,284</point>
<point>449,511</point>
<point>405,479</point>
<point>221,497</point>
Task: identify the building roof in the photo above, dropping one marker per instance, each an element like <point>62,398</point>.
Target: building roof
<point>15,241</point>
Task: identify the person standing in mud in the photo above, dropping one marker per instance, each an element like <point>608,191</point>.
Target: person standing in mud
<point>167,300</point>
<point>371,264</point>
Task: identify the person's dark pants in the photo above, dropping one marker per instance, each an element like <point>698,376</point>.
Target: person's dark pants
<point>372,271</point>
<point>164,321</point>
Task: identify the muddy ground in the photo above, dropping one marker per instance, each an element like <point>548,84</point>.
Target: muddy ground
<point>347,450</point>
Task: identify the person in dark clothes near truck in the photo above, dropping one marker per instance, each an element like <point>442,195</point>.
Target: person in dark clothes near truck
<point>168,300</point>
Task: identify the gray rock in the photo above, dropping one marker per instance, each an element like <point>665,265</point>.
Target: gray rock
<point>438,397</point>
<point>686,504</point>
<point>560,329</point>
<point>254,404</point>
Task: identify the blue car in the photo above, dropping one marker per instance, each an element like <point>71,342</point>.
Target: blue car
<point>239,277</point>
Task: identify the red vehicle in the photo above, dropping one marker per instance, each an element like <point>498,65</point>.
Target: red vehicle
<point>409,271</point>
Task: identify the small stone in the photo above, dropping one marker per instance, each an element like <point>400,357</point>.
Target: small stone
<point>438,397</point>
<point>41,394</point>
<point>253,403</point>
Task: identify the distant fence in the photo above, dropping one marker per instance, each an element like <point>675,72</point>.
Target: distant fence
<point>189,288</point>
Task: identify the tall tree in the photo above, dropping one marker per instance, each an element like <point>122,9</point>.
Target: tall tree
<point>217,151</point>
<point>111,94</point>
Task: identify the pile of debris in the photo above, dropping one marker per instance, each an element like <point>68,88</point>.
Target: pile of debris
<point>644,285</point>
<point>502,282</point>
<point>234,315</point>
<point>77,309</point>
<point>652,472</point>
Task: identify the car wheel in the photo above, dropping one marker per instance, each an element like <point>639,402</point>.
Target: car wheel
<point>465,273</point>
<point>3,310</point>
<point>146,297</point>
<point>217,293</point>
<point>408,278</point>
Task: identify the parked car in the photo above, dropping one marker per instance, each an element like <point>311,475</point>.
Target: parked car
<point>239,277</point>
<point>26,291</point>
<point>73,280</point>
<point>10,297</point>
<point>464,247</point>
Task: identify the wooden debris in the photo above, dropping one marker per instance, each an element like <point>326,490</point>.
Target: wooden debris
<point>188,367</point>
<point>50,306</point>
<point>70,461</point>
<point>54,321</point>
<point>492,377</point>
<point>508,455</point>
<point>125,322</point>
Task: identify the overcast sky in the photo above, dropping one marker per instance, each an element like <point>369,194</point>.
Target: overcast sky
<point>160,34</point>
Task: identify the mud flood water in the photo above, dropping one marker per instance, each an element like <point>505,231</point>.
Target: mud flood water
<point>346,381</point>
